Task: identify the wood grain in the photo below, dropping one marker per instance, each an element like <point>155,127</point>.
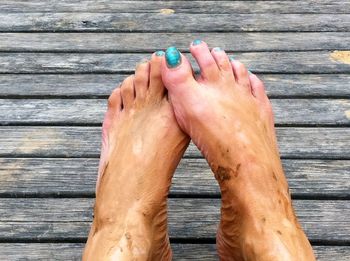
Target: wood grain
<point>59,59</point>
<point>177,6</point>
<point>69,218</point>
<point>150,42</point>
<point>181,252</point>
<point>176,22</point>
<point>101,85</point>
<point>91,111</point>
<point>258,62</point>
<point>30,141</point>
<point>76,177</point>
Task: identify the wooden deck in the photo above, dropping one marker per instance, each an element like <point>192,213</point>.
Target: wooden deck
<point>59,60</point>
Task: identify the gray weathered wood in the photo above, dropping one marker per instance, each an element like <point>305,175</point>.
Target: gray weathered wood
<point>77,177</point>
<point>259,62</point>
<point>101,85</point>
<point>85,142</point>
<point>158,22</point>
<point>177,6</point>
<point>150,42</point>
<point>181,252</point>
<point>69,218</point>
<point>91,111</point>
<point>205,252</point>
<point>120,36</point>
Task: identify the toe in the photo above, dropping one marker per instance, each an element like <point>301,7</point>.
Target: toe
<point>241,75</point>
<point>114,106</point>
<point>127,92</point>
<point>258,88</point>
<point>223,62</point>
<point>258,91</point>
<point>156,86</point>
<point>141,80</point>
<point>177,74</point>
<point>115,101</point>
<point>200,51</point>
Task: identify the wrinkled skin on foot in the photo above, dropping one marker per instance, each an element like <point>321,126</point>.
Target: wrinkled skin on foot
<point>228,116</point>
<point>141,146</point>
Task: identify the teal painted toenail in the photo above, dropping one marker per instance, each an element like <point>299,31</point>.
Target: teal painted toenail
<point>196,42</point>
<point>160,53</point>
<point>172,57</point>
<point>217,49</point>
<point>250,72</point>
<point>232,59</point>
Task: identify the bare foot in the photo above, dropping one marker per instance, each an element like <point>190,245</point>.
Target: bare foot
<point>142,145</point>
<point>229,117</point>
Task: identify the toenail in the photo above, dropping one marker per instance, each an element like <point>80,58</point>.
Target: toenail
<point>231,58</point>
<point>160,53</point>
<point>172,57</point>
<point>217,49</point>
<point>250,72</point>
<point>196,42</point>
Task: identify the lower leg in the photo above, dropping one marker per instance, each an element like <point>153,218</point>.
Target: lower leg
<point>228,115</point>
<point>257,217</point>
<point>142,145</point>
<point>128,226</point>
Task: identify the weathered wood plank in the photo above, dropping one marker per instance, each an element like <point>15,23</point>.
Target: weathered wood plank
<point>69,218</point>
<point>77,177</point>
<point>85,142</point>
<point>259,62</point>
<point>205,252</point>
<point>150,42</point>
<point>177,6</point>
<point>101,85</point>
<point>91,111</point>
<point>159,22</point>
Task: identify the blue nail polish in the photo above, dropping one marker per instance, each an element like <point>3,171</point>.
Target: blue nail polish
<point>232,59</point>
<point>217,49</point>
<point>250,72</point>
<point>172,57</point>
<point>160,53</point>
<point>196,42</point>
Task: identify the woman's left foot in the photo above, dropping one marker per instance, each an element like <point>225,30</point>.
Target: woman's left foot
<point>142,146</point>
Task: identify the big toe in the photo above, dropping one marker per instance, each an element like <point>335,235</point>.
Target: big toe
<point>177,73</point>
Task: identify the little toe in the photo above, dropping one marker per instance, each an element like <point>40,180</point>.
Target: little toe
<point>115,101</point>
<point>177,73</point>
<point>223,62</point>
<point>209,69</point>
<point>156,87</point>
<point>258,88</point>
<point>141,80</point>
<point>114,107</point>
<point>258,91</point>
<point>241,75</point>
<point>128,92</point>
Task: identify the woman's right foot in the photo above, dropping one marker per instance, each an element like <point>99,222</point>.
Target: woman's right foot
<point>228,116</point>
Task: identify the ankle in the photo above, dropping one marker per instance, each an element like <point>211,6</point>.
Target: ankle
<point>272,238</point>
<point>129,237</point>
